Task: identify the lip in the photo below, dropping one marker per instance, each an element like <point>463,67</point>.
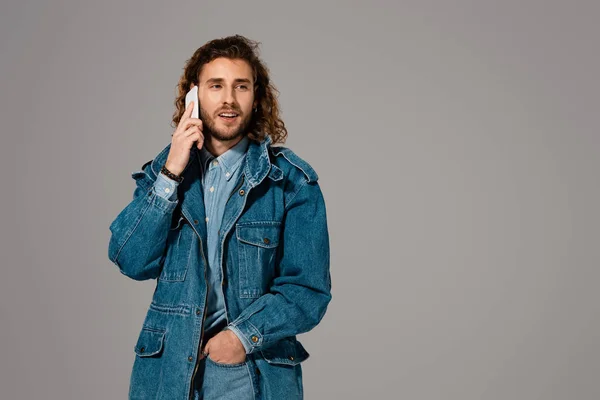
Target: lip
<point>228,120</point>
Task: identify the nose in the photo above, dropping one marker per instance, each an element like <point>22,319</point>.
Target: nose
<point>229,96</point>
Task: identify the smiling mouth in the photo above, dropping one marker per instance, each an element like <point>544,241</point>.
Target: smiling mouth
<point>228,114</point>
<point>228,117</point>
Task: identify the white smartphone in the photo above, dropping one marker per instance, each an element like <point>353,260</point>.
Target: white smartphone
<point>192,95</point>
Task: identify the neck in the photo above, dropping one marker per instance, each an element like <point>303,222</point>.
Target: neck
<point>217,147</point>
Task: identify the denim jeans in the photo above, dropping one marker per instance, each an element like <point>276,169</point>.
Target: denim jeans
<point>216,381</point>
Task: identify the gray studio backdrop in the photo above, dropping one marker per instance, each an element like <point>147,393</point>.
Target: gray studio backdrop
<point>457,148</point>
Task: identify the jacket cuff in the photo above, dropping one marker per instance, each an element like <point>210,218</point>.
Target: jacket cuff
<point>250,337</point>
<point>240,336</point>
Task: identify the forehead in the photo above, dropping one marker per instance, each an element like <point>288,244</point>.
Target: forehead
<point>226,69</point>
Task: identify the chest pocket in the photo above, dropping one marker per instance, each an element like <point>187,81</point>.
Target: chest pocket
<point>180,242</point>
<point>257,246</point>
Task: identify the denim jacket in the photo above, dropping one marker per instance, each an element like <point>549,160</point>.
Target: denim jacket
<point>274,263</point>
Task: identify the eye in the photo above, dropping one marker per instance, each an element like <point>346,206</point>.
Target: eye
<point>243,86</point>
<point>215,85</point>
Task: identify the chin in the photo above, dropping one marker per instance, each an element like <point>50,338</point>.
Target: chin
<point>220,135</point>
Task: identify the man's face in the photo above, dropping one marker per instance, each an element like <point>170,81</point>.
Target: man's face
<point>226,86</point>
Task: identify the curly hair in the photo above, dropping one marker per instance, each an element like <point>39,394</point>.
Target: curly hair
<point>266,120</point>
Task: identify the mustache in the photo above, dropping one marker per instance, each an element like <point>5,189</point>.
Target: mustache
<point>233,110</point>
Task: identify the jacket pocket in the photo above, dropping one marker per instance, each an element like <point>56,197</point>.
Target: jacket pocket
<point>288,351</point>
<point>257,246</point>
<point>146,379</point>
<point>180,242</point>
<point>150,342</point>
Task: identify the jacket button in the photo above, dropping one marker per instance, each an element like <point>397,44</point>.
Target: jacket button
<point>242,192</point>
<point>142,349</point>
<point>190,358</point>
<point>254,339</point>
<point>196,221</point>
<point>197,311</point>
<point>266,240</point>
<point>291,358</point>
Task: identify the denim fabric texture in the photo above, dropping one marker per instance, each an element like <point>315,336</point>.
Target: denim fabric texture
<point>272,251</point>
<point>223,381</point>
<point>219,179</point>
<point>166,187</point>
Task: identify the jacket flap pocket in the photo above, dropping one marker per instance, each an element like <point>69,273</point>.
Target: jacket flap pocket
<point>286,351</point>
<point>150,342</point>
<point>263,233</point>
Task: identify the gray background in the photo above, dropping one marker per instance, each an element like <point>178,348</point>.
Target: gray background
<point>456,144</point>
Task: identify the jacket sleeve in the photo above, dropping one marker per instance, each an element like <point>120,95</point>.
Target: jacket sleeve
<point>301,291</point>
<point>139,232</point>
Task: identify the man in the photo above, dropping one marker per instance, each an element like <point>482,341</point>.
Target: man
<point>234,230</point>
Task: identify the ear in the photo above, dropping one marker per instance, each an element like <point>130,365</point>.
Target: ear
<point>191,86</point>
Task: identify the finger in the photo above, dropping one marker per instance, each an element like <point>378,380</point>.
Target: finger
<point>186,123</point>
<point>190,131</point>
<point>192,121</point>
<point>191,139</point>
<point>188,111</point>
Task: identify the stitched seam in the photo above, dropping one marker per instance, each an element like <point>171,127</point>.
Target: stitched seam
<point>250,378</point>
<point>252,223</point>
<point>293,196</point>
<point>181,309</point>
<point>165,205</point>
<point>128,235</point>
<point>239,322</point>
<point>295,164</point>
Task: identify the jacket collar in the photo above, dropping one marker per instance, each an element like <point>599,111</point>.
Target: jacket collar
<point>257,166</point>
<point>257,163</point>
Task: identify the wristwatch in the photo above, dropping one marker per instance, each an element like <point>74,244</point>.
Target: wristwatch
<point>176,178</point>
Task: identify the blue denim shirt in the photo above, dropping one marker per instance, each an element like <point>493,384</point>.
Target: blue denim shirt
<point>220,176</point>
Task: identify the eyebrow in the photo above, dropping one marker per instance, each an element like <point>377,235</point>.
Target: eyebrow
<point>221,80</point>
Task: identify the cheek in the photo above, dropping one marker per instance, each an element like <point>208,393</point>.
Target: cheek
<point>210,101</point>
<point>248,104</point>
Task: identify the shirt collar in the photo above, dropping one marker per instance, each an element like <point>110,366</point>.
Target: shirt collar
<point>228,161</point>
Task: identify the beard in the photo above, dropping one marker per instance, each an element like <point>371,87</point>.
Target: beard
<point>227,133</point>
